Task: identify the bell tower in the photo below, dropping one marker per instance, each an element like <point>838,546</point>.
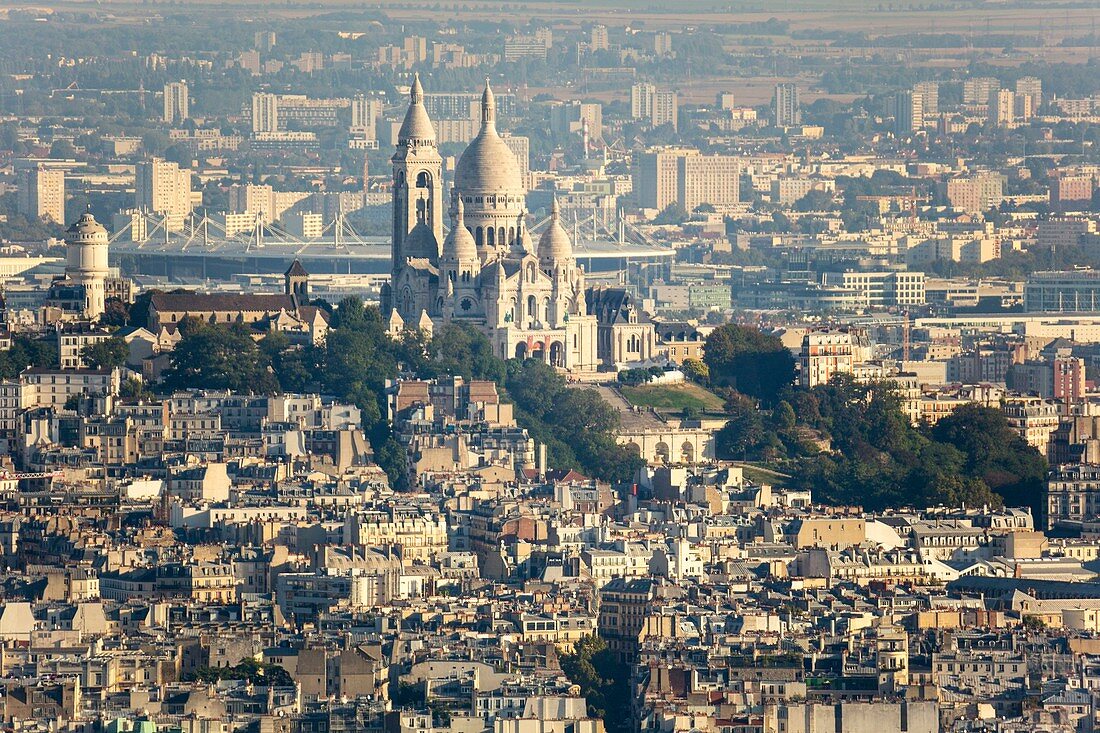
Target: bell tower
<point>417,177</point>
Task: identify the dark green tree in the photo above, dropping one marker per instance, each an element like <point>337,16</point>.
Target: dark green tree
<point>749,361</point>
<point>220,357</point>
<point>106,354</point>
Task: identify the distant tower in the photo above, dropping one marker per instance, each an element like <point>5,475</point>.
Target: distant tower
<point>296,281</point>
<point>86,262</point>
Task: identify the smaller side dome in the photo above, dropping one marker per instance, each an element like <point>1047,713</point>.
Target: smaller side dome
<point>554,245</point>
<point>460,244</point>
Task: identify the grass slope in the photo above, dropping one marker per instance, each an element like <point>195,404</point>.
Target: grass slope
<point>673,397</point>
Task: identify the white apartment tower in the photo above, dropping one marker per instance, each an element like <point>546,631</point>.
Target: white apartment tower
<point>788,111</point>
<point>162,187</point>
<point>265,112</point>
<point>176,101</point>
<point>599,40</point>
<point>42,193</point>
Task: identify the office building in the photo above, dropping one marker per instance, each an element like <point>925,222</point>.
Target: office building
<point>42,192</point>
<point>884,289</point>
<point>1074,291</point>
<point>465,105</point>
<point>684,176</point>
<point>175,102</point>
<point>787,109</point>
<point>265,113</point>
<point>520,146</point>
<point>708,179</point>
<point>161,187</point>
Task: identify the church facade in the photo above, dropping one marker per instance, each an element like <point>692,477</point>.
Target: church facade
<point>530,301</point>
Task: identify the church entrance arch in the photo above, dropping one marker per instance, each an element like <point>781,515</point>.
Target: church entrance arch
<point>521,351</point>
<point>557,355</point>
<point>538,351</point>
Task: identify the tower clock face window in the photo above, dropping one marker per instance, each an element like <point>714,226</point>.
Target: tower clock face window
<point>466,304</point>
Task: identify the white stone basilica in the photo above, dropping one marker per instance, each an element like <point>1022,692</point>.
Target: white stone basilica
<point>486,272</point>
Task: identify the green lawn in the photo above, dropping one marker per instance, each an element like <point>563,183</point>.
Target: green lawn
<point>673,397</point>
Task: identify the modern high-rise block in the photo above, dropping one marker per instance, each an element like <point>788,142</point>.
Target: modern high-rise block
<point>365,112</point>
<point>1002,108</point>
<point>1032,87</point>
<point>162,187</point>
<point>788,111</point>
<point>265,112</point>
<point>176,102</point>
<point>42,193</point>
<point>658,106</point>
<point>599,40</point>
<point>662,43</point>
<point>908,112</point>
<point>685,177</point>
<point>930,94</point>
<point>641,100</point>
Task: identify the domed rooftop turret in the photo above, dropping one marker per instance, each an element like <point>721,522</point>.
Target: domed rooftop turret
<point>459,245</point>
<point>488,164</point>
<point>417,127</point>
<point>85,228</point>
<point>554,245</point>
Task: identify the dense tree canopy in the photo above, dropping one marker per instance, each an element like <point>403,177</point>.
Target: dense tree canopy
<point>219,357</point>
<point>851,443</point>
<point>604,682</point>
<point>106,354</point>
<point>26,352</point>
<point>749,361</point>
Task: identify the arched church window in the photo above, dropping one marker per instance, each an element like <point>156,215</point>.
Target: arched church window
<point>492,237</point>
<point>424,180</point>
<point>531,312</point>
<point>500,236</point>
<point>479,237</point>
<point>511,235</point>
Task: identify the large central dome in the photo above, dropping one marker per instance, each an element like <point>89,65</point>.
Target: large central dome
<point>488,165</point>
